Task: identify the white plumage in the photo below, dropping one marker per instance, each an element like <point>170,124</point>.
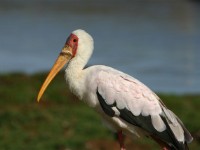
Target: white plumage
<point>125,103</point>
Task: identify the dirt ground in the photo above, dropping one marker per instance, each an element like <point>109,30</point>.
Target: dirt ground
<point>114,145</point>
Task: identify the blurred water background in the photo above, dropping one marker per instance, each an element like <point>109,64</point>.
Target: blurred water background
<point>156,41</point>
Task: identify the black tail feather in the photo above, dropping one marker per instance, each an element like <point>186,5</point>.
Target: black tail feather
<point>173,143</point>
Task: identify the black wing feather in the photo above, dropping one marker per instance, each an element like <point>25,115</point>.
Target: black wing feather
<point>143,122</point>
<point>106,108</point>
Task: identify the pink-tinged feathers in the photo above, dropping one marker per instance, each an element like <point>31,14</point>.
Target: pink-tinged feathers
<point>122,91</point>
<point>127,92</point>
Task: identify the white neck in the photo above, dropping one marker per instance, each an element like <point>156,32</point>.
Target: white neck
<point>75,75</point>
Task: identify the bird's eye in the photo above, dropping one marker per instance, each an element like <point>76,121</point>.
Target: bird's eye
<point>74,40</point>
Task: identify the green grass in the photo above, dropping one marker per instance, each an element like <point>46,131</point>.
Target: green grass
<point>60,122</point>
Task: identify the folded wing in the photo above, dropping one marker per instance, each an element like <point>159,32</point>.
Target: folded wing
<point>124,96</point>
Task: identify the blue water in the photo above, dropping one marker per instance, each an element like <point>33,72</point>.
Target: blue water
<point>157,42</point>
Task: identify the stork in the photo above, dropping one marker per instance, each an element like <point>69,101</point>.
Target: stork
<point>126,105</point>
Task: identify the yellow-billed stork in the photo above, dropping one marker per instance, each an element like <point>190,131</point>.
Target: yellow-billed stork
<point>126,104</point>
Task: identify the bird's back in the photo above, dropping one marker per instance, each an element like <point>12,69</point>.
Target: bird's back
<point>125,98</point>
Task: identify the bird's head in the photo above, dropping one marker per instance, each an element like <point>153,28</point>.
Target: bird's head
<point>79,44</point>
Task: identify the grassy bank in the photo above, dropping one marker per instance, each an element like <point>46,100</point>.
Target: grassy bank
<point>60,122</point>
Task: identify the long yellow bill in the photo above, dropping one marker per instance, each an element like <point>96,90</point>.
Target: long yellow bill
<point>63,58</point>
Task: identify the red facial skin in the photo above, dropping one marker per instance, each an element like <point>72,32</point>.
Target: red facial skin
<point>72,41</point>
